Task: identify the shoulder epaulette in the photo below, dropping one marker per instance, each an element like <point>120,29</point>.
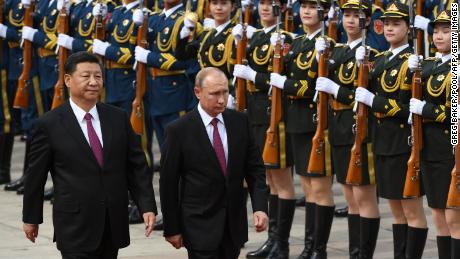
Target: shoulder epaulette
<point>299,36</point>
<point>376,52</point>
<point>380,54</point>
<point>405,55</point>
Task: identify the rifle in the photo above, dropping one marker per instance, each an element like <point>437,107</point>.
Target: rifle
<point>63,53</point>
<point>354,174</point>
<point>453,198</point>
<point>137,114</point>
<point>271,155</point>
<point>412,183</point>
<point>332,27</point>
<point>21,100</point>
<point>100,28</point>
<point>288,18</point>
<point>318,151</point>
<point>241,59</point>
<point>2,4</point>
<point>420,33</point>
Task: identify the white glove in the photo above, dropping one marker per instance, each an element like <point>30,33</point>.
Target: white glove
<point>99,47</point>
<point>187,28</point>
<point>231,102</point>
<point>65,41</point>
<point>245,72</point>
<point>324,84</point>
<point>28,33</point>
<point>330,14</point>
<point>141,54</point>
<point>274,38</point>
<point>138,17</point>
<point>363,95</point>
<point>421,22</point>
<point>237,32</point>
<point>98,8</point>
<point>209,24</point>
<point>416,106</point>
<point>189,23</point>
<point>360,53</point>
<point>320,44</point>
<point>250,31</point>
<point>26,2</point>
<point>413,62</point>
<point>61,3</point>
<point>3,30</point>
<point>277,80</point>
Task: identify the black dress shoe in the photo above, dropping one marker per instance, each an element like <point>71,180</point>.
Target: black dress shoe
<point>263,251</point>
<point>20,190</point>
<point>341,212</point>
<point>48,195</point>
<point>300,202</point>
<point>14,185</point>
<point>159,225</point>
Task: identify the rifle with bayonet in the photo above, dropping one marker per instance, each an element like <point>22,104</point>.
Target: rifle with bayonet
<point>241,59</point>
<point>63,53</point>
<point>100,27</point>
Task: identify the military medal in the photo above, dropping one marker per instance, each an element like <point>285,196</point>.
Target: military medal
<point>221,47</point>
<point>264,47</point>
<point>440,78</point>
<point>125,22</point>
<point>309,54</point>
<point>394,72</point>
<point>53,12</point>
<point>350,64</point>
<point>166,30</point>
<point>88,15</point>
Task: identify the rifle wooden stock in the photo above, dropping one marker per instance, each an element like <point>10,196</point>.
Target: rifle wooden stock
<point>332,27</point>
<point>412,183</point>
<point>100,30</point>
<point>271,153</point>
<point>21,100</point>
<point>419,32</point>
<point>453,198</point>
<point>59,90</point>
<point>354,174</point>
<point>137,114</point>
<point>316,164</point>
<point>2,4</point>
<point>241,59</point>
<point>289,20</point>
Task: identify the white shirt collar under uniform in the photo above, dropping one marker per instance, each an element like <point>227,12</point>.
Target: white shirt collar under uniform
<point>313,35</point>
<point>170,11</point>
<point>396,51</point>
<point>354,43</point>
<point>221,27</point>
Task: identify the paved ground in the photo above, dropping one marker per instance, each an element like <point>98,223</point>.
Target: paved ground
<point>13,243</point>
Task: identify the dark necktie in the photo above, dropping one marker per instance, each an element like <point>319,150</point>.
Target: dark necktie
<point>388,54</point>
<point>94,141</point>
<point>218,146</point>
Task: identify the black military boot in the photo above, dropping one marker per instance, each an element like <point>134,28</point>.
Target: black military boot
<point>323,219</point>
<point>310,210</point>
<point>444,249</point>
<point>4,176</point>
<point>416,239</point>
<point>369,231</point>
<point>15,185</point>
<point>5,164</point>
<point>353,235</point>
<point>399,240</point>
<point>455,248</point>
<point>280,249</point>
<point>264,250</point>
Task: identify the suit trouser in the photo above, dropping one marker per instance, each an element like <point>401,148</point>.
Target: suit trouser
<point>106,249</point>
<point>226,250</point>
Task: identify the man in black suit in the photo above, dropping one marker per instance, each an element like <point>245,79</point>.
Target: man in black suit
<point>94,158</point>
<point>206,156</point>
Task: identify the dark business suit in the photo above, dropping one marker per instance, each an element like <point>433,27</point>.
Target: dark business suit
<point>198,201</point>
<point>90,201</point>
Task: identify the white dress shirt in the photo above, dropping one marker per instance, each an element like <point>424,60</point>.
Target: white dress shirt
<point>354,43</point>
<point>221,27</point>
<point>446,58</point>
<point>397,50</point>
<point>313,35</point>
<point>170,11</point>
<point>210,129</point>
<point>80,115</point>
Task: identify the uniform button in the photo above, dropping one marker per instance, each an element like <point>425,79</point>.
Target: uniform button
<point>401,126</point>
<point>446,131</point>
<point>292,74</point>
<point>378,121</point>
<point>174,83</point>
<point>311,106</point>
<point>335,113</point>
<point>354,117</point>
<point>125,72</point>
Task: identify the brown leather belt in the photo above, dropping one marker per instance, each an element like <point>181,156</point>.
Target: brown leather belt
<point>13,45</point>
<point>338,106</point>
<point>155,72</point>
<point>113,65</point>
<point>380,115</point>
<point>294,97</point>
<point>43,53</point>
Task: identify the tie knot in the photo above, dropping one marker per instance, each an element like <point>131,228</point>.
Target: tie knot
<point>214,122</point>
<point>88,117</point>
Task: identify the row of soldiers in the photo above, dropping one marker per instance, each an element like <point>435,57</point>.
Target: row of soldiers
<point>276,56</point>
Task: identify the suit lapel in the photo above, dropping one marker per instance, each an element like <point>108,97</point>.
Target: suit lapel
<point>231,140</point>
<point>106,131</point>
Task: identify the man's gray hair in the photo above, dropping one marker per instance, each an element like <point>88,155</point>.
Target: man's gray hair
<point>205,72</point>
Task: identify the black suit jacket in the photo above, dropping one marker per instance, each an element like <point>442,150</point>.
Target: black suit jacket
<point>84,192</point>
<point>197,200</point>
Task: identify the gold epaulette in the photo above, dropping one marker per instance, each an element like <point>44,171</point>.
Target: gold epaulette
<point>380,54</point>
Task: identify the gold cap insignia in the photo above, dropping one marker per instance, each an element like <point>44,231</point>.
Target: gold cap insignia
<point>392,7</point>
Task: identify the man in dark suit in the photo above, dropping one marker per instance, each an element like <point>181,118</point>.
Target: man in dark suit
<point>94,158</point>
<point>206,156</point>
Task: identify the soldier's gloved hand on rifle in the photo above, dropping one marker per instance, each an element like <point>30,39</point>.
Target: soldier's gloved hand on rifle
<point>100,9</point>
<point>320,46</point>
<point>421,22</point>
<point>189,25</point>
<point>359,55</point>
<point>363,95</point>
<point>245,72</point>
<point>231,102</point>
<point>413,62</point>
<point>99,47</point>
<point>274,39</point>
<point>28,33</point>
<point>27,3</point>
<point>65,41</point>
<point>60,4</point>
<point>138,16</point>
<point>277,80</point>
<point>3,29</point>
<point>141,54</point>
<point>416,106</point>
<point>330,13</point>
<point>237,31</point>
<point>209,24</point>
<point>324,84</point>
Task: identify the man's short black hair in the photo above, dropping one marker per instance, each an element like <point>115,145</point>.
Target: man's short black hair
<point>77,58</point>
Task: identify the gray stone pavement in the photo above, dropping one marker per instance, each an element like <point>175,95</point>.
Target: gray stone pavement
<point>13,243</point>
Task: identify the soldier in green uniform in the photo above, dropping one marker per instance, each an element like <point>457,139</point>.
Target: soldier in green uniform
<point>298,85</point>
<point>437,160</point>
<point>260,54</point>
<point>389,101</point>
<point>363,211</point>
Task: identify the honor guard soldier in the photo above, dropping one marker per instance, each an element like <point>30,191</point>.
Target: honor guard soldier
<point>260,56</point>
<point>437,160</point>
<point>361,197</point>
<point>388,98</point>
<point>11,31</point>
<point>169,92</point>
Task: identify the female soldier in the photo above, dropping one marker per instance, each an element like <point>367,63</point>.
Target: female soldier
<point>363,211</point>
<point>389,100</point>
<point>257,73</point>
<point>436,157</point>
<point>298,87</point>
